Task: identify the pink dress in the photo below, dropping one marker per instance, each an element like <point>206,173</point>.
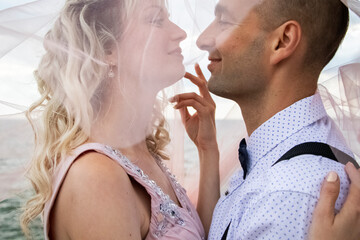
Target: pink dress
<point>168,220</point>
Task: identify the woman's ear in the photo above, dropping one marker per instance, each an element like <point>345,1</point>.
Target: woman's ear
<point>111,54</point>
<point>284,41</point>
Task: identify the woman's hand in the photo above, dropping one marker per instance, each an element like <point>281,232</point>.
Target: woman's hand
<point>346,224</point>
<point>200,126</point>
<point>202,131</point>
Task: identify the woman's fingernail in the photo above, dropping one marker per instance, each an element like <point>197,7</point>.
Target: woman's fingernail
<point>331,177</point>
<point>350,164</point>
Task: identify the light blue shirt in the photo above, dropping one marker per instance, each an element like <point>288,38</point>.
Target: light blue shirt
<point>277,202</point>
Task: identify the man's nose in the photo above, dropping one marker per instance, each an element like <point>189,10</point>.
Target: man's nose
<point>206,40</point>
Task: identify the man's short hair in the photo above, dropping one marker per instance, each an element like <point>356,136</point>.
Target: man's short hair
<point>324,24</point>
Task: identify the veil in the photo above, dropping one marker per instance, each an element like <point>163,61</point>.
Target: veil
<point>24,25</point>
<point>340,80</point>
<point>23,28</point>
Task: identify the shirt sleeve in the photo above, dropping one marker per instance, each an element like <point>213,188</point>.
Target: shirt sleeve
<point>278,215</point>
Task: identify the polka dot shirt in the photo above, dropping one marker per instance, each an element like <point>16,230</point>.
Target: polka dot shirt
<point>277,202</point>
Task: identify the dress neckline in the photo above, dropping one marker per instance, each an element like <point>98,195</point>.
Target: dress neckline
<point>151,183</point>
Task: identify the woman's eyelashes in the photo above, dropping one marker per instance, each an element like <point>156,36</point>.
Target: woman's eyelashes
<point>157,19</point>
<point>158,22</point>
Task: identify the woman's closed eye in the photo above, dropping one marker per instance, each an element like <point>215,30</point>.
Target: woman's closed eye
<point>158,21</point>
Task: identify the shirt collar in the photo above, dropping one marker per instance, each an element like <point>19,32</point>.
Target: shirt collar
<point>282,125</point>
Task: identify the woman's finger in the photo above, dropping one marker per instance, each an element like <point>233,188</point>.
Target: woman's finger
<point>201,84</point>
<point>199,72</point>
<point>192,103</point>
<point>353,198</point>
<point>187,96</point>
<point>201,76</point>
<point>354,174</point>
<point>329,193</point>
<point>185,115</point>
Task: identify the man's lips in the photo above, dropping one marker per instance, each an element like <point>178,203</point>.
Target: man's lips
<point>214,62</point>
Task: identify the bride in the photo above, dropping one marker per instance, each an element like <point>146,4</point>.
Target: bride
<point>98,168</point>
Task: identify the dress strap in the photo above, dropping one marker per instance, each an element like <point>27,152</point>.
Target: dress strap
<point>61,171</point>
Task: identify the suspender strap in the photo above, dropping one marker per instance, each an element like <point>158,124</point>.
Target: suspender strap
<point>319,149</point>
<point>226,232</point>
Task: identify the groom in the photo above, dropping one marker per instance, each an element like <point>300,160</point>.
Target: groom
<point>267,56</point>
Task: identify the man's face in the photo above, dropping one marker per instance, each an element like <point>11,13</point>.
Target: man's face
<point>235,43</point>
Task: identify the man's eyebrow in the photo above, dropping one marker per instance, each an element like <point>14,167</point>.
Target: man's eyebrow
<point>220,9</point>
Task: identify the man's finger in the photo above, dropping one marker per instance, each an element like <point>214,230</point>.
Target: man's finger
<point>328,195</point>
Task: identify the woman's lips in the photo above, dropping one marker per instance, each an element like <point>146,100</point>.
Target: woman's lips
<point>176,51</point>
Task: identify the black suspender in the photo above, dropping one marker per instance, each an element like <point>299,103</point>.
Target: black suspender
<point>226,232</point>
<point>313,148</point>
<point>319,149</point>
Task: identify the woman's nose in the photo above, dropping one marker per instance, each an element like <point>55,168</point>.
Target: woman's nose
<point>178,33</point>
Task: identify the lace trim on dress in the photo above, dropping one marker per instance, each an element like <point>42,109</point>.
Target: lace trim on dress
<point>167,208</point>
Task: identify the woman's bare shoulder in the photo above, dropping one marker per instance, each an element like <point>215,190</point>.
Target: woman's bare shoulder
<point>97,200</point>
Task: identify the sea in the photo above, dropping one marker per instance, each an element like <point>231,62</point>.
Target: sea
<point>15,151</point>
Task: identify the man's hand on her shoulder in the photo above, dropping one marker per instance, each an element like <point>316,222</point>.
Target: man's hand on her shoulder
<point>346,224</point>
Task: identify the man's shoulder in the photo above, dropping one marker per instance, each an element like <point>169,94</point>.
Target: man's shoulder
<point>305,174</point>
<point>324,130</point>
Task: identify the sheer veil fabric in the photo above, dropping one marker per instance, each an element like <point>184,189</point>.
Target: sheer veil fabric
<point>23,32</point>
<point>23,28</point>
<point>340,81</point>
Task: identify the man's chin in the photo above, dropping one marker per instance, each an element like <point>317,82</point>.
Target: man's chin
<point>216,86</point>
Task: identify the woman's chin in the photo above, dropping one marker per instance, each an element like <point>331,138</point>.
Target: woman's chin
<point>173,77</point>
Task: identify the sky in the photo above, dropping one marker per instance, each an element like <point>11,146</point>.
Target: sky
<point>17,84</point>
<point>10,3</point>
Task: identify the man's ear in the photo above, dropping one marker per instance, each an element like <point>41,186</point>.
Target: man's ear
<point>284,41</point>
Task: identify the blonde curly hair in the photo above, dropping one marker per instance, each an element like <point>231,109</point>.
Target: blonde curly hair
<point>69,75</point>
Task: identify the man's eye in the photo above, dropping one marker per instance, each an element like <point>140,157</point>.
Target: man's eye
<point>223,21</point>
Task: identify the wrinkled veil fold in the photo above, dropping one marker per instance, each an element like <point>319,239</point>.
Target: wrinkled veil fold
<point>20,36</point>
<point>339,84</point>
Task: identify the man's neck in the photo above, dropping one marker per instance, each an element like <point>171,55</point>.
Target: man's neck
<point>258,110</point>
